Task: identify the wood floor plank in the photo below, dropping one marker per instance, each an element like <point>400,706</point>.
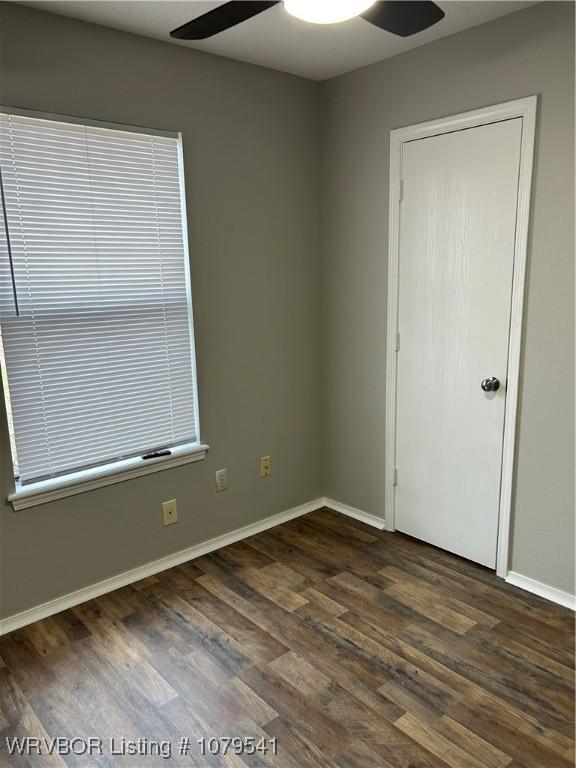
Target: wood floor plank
<point>21,718</point>
<point>433,741</point>
<point>323,602</point>
<point>307,565</point>
<point>534,662</point>
<point>509,734</point>
<point>360,755</point>
<point>357,718</point>
<point>435,611</point>
<point>260,711</point>
<point>352,647</point>
<point>472,744</point>
<point>290,702</point>
<point>304,752</point>
<point>550,704</point>
<point>347,590</point>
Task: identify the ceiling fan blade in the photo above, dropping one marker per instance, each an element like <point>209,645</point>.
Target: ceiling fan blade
<point>220,18</point>
<point>403,17</point>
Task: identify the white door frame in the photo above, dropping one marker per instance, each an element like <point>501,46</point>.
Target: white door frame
<point>525,109</point>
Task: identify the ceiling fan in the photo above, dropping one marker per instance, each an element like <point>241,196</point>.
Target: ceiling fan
<point>401,17</point>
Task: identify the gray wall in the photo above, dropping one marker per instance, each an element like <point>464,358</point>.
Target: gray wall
<point>528,52</point>
<point>252,183</point>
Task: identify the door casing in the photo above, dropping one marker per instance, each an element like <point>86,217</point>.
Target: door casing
<point>526,109</point>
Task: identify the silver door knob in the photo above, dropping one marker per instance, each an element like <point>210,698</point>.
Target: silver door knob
<point>491,384</point>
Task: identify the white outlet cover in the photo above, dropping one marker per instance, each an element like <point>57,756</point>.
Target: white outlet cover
<point>170,512</point>
<point>221,480</point>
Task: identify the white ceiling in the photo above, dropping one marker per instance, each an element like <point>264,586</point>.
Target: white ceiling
<point>274,38</point>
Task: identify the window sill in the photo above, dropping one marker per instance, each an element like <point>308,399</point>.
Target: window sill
<point>88,479</point>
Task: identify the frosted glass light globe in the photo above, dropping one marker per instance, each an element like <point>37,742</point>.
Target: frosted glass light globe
<point>326,11</point>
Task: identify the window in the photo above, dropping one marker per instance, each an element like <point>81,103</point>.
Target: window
<point>95,312</point>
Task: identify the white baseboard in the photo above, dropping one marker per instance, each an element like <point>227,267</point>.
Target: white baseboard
<point>542,590</point>
<point>357,514</point>
<point>51,607</point>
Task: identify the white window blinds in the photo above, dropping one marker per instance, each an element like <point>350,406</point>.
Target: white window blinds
<point>100,358</point>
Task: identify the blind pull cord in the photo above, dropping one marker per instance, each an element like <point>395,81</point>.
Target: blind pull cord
<point>9,245</point>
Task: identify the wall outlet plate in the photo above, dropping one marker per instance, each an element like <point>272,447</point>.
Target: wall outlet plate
<point>169,512</point>
<point>265,466</point>
<point>221,480</point>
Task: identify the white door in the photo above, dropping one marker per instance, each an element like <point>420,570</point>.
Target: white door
<point>457,230</point>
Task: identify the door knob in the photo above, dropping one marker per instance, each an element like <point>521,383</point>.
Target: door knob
<point>491,384</point>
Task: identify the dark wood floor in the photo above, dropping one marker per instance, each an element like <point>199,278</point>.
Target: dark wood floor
<point>353,648</point>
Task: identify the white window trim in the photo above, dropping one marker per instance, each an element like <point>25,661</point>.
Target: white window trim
<point>76,120</point>
<point>107,474</point>
<point>72,483</point>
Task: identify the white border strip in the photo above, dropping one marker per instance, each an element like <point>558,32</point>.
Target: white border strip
<point>149,569</point>
<point>542,590</point>
<point>51,607</point>
<point>76,120</point>
<point>520,108</point>
<point>86,480</point>
<point>357,514</point>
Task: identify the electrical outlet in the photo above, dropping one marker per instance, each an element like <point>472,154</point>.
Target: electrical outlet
<point>265,466</point>
<point>221,480</point>
<point>169,512</point>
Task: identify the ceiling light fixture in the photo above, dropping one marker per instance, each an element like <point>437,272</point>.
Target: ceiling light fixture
<point>326,11</point>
